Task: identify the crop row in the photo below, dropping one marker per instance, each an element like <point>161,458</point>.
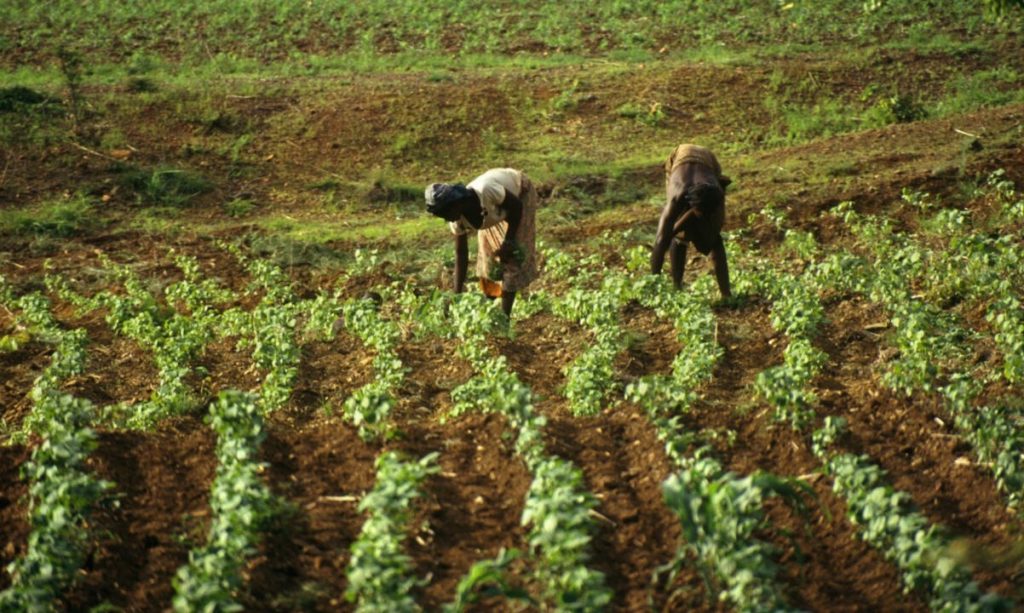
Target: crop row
<point>886,517</point>
<point>241,506</point>
<point>890,523</point>
<point>923,335</point>
<point>369,406</point>
<point>175,339</point>
<point>557,506</point>
<point>62,492</point>
<point>269,329</point>
<point>590,378</point>
<point>797,313</point>
<point>719,511</point>
<point>380,572</point>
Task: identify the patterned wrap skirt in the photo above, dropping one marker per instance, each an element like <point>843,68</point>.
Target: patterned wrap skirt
<point>515,274</point>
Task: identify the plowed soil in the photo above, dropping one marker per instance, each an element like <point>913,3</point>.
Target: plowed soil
<point>318,465</point>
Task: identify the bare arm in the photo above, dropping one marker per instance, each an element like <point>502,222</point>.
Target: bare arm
<point>461,261</point>
<point>666,231</point>
<point>678,227</point>
<point>514,217</point>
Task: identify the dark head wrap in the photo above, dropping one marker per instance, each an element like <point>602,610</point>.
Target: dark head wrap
<point>442,196</point>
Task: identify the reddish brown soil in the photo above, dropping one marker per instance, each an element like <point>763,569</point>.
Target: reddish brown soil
<point>18,370</point>
<point>320,469</point>
<point>823,562</point>
<point>915,442</point>
<point>471,509</point>
<point>14,521</point>
<point>158,511</point>
<point>623,464</point>
<point>117,369</point>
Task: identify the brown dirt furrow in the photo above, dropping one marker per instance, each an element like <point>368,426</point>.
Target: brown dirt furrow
<point>227,368</point>
<point>328,374</point>
<point>18,371</point>
<point>622,460</point>
<point>543,346</point>
<point>14,520</point>
<point>914,440</point>
<point>434,369</point>
<point>161,486</point>
<point>321,470</point>
<point>117,368</point>
<point>624,466</point>
<point>816,551</point>
<point>472,508</point>
<point>652,344</point>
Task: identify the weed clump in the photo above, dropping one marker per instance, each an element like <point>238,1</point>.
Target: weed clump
<point>171,187</point>
<point>54,219</point>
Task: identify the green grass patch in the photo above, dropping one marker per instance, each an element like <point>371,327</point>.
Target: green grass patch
<point>60,218</point>
<point>969,92</point>
<point>239,207</point>
<point>296,38</point>
<point>165,187</point>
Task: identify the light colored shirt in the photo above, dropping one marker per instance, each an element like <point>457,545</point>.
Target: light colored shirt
<point>491,187</point>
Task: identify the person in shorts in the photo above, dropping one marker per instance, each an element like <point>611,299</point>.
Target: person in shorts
<point>694,213</point>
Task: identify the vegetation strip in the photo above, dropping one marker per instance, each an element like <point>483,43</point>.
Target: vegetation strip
<point>930,344</point>
<point>62,492</point>
<point>718,510</point>
<point>241,505</point>
<point>175,339</point>
<point>889,523</point>
<point>590,378</point>
<point>380,572</point>
<point>557,507</point>
<point>269,328</point>
<point>369,406</point>
<point>886,517</point>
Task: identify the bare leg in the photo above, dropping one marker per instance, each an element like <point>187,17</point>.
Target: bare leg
<point>507,298</point>
<point>721,269</point>
<point>677,253</point>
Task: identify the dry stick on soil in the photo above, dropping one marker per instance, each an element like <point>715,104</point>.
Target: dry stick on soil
<point>92,152</point>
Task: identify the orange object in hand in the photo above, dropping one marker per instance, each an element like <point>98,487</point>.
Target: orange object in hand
<point>491,289</point>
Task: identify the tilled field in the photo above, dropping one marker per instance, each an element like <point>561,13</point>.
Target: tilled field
<point>318,467</point>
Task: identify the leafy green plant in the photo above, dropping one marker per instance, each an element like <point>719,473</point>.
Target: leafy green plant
<point>486,579</point>
<point>380,572</point>
<point>889,522</point>
<point>557,509</point>
<point>719,513</point>
<point>591,377</point>
<point>241,507</point>
<point>62,492</point>
<point>370,405</point>
<point>650,115</point>
<point>173,187</point>
<point>62,496</point>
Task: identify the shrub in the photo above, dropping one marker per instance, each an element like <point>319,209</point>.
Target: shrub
<point>166,186</point>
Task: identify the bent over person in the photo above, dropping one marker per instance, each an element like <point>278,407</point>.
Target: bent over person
<point>500,206</point>
<point>694,213</point>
